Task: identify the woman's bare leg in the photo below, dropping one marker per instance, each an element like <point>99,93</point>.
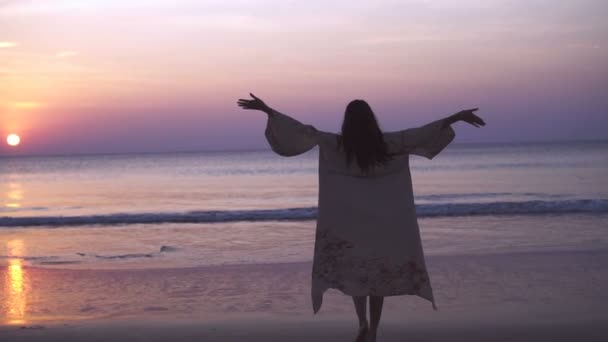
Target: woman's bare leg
<point>375,312</point>
<point>361,309</point>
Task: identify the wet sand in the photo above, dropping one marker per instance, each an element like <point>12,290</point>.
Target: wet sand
<point>300,330</point>
<point>532,296</point>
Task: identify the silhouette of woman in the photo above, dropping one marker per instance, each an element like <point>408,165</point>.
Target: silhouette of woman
<point>367,238</point>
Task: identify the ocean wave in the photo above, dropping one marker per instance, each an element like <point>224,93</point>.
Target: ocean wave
<point>119,256</point>
<point>16,209</point>
<point>28,258</point>
<point>301,214</point>
<point>67,260</point>
<point>163,249</point>
<point>486,195</point>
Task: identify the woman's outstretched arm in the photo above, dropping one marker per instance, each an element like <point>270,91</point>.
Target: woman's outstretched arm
<point>432,138</point>
<point>286,136</point>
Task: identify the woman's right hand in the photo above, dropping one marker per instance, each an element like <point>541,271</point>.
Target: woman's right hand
<point>255,104</point>
<point>469,117</point>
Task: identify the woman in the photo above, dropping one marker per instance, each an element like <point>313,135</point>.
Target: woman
<point>367,238</point>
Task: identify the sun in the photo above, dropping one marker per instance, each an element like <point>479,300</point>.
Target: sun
<point>13,139</point>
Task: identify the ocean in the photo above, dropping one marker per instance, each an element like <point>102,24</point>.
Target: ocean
<point>254,207</point>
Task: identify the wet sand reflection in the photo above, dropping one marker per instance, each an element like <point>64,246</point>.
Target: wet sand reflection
<point>15,285</point>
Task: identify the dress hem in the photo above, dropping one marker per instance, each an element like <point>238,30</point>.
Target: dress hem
<point>317,298</point>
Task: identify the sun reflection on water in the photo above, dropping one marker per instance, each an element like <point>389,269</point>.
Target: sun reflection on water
<point>14,196</point>
<point>14,285</point>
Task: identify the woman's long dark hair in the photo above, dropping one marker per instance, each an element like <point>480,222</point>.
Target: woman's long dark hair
<point>362,138</point>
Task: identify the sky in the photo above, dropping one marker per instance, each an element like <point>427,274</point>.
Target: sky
<point>115,76</point>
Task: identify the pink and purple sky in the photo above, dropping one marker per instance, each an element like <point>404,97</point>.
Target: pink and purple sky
<point>97,76</point>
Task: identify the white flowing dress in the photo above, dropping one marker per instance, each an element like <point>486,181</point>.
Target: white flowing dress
<point>367,238</point>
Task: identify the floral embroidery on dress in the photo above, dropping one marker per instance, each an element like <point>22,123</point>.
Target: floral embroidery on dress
<point>338,268</point>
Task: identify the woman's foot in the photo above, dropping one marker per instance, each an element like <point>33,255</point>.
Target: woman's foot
<point>371,335</point>
<point>362,334</point>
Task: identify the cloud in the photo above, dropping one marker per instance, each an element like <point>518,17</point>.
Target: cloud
<point>27,104</point>
<point>66,54</point>
<point>388,40</point>
<point>226,22</point>
<point>7,45</point>
<point>32,7</point>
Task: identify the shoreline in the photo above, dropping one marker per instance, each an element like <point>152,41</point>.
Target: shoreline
<point>173,246</point>
<point>436,257</point>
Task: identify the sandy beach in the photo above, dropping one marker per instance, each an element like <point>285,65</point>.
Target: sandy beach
<point>282,329</point>
<point>533,296</point>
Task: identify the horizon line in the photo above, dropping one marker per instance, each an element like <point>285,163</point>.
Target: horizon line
<point>92,154</point>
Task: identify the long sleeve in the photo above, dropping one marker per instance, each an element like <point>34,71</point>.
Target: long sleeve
<point>426,141</point>
<point>289,137</point>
